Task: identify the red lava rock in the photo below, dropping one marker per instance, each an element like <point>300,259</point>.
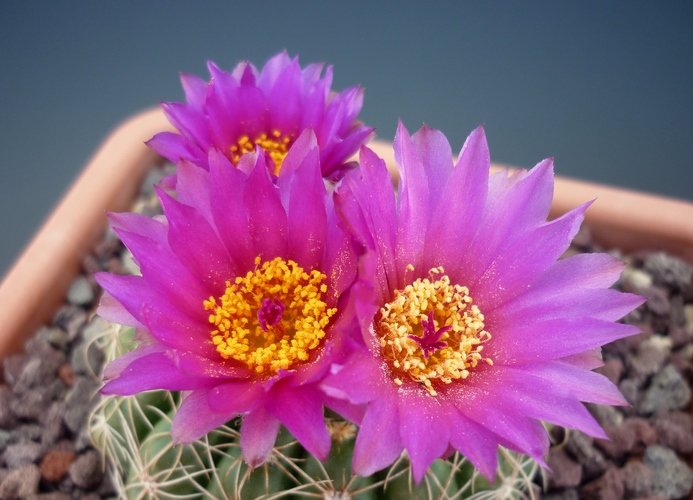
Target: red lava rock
<point>56,464</point>
<point>67,374</point>
<point>637,479</point>
<point>612,369</point>
<point>675,431</point>
<point>632,437</point>
<point>608,487</point>
<point>565,472</point>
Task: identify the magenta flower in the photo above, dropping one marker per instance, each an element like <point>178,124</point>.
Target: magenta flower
<point>237,111</point>
<point>474,332</point>
<point>241,299</point>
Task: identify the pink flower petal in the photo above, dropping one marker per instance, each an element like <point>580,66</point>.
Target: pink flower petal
<point>195,418</point>
<point>259,431</point>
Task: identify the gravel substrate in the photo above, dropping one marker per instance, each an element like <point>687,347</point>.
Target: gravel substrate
<point>650,452</point>
<point>47,394</point>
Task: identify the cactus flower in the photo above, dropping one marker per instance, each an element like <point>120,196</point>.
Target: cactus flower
<point>473,331</point>
<point>240,299</point>
<point>238,111</point>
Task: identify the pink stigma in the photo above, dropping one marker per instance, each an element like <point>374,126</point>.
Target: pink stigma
<point>430,342</point>
<point>270,313</point>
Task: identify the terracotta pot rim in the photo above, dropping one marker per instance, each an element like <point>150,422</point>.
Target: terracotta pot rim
<point>38,280</point>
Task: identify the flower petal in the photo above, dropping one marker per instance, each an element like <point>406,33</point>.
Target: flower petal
<point>300,410</point>
<point>259,431</point>
<point>195,418</point>
<point>378,443</point>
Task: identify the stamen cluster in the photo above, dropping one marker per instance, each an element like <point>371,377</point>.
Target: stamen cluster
<point>416,309</point>
<point>276,145</point>
<point>239,316</point>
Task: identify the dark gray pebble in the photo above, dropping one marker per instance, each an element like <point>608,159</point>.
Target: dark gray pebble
<point>671,477</point>
<point>668,270</point>
<point>581,447</point>
<point>7,417</point>
<point>667,392</point>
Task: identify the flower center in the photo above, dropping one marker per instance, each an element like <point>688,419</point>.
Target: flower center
<point>277,145</point>
<point>271,318</point>
<point>431,332</point>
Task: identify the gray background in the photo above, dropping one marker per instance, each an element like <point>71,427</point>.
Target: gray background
<point>605,88</point>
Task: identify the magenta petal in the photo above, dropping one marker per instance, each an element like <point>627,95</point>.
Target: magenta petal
<point>413,200</point>
<point>199,366</point>
<point>259,431</point>
<point>300,410</point>
<point>477,443</point>
<point>227,185</point>
<point>560,337</point>
<point>519,431</point>
<point>178,334</point>
<point>116,367</point>
<point>285,97</point>
<point>192,188</point>
<point>266,215</point>
<point>454,223</point>
<point>195,89</point>
<point>436,157</point>
<point>519,265</point>
<point>112,310</point>
<point>378,443</point>
<point>152,371</point>
<point>360,381</point>
<point>237,397</point>
<point>584,385</point>
<point>174,147</point>
<point>424,427</point>
<point>205,256</point>
<point>195,418</point>
<point>515,205</point>
<point>543,400</point>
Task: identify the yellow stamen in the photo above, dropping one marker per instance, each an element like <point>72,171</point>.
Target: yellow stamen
<point>277,145</point>
<point>238,333</point>
<point>451,306</point>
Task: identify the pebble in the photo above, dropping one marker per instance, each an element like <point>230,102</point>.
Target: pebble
<point>87,471</point>
<point>56,464</point>
<point>675,430</point>
<point>20,483</point>
<point>566,472</point>
<point>22,453</point>
<point>581,447</point>
<point>79,402</point>
<point>612,369</point>
<point>668,391</point>
<point>650,357</point>
<point>80,292</point>
<point>688,315</point>
<point>607,487</point>
<point>668,270</point>
<point>637,479</point>
<point>637,278</point>
<point>54,336</point>
<point>657,300</point>
<point>7,417</point>
<point>671,477</point>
